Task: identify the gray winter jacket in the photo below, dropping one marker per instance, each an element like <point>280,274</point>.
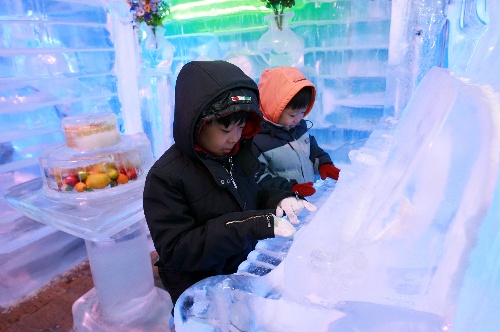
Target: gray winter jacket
<point>287,157</point>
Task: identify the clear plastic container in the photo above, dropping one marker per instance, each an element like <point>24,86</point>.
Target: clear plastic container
<point>70,170</point>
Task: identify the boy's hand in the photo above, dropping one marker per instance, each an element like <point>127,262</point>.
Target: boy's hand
<point>304,189</point>
<point>291,206</point>
<point>283,228</point>
<point>329,171</point>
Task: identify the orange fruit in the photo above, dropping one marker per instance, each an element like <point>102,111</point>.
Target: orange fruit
<point>122,178</point>
<point>80,187</point>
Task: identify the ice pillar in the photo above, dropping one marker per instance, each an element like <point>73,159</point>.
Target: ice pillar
<point>124,294</point>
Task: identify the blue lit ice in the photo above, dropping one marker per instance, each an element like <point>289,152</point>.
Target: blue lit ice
<point>408,239</point>
<point>389,248</point>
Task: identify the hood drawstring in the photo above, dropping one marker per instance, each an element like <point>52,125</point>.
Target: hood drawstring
<point>310,122</point>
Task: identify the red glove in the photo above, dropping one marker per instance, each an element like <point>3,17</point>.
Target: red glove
<point>304,189</point>
<point>329,171</point>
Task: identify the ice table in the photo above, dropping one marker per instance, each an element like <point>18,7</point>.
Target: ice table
<point>124,296</point>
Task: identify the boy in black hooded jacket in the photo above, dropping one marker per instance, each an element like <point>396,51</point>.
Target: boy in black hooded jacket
<point>204,210</point>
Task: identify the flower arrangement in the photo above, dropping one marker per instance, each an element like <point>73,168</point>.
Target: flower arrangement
<point>278,7</point>
<point>152,12</point>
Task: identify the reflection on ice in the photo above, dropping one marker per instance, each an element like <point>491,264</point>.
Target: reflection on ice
<point>243,304</point>
<point>388,248</point>
<point>269,253</point>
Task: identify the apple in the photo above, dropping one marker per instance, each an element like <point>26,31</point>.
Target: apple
<point>71,180</point>
<point>132,174</point>
<point>123,170</point>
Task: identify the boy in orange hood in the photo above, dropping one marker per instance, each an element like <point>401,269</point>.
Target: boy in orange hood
<point>289,156</point>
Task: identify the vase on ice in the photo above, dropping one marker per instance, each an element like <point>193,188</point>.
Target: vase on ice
<point>279,45</point>
<point>156,87</point>
<point>156,51</point>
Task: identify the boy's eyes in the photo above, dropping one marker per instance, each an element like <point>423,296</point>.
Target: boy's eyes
<point>292,115</point>
<point>228,130</point>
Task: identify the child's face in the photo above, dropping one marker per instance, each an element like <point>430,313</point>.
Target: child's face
<point>219,140</point>
<point>290,117</point>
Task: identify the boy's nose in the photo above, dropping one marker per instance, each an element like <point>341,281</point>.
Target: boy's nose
<point>234,137</point>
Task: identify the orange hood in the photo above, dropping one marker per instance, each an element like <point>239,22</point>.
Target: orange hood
<point>277,86</point>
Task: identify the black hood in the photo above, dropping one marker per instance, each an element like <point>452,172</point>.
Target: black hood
<point>198,86</point>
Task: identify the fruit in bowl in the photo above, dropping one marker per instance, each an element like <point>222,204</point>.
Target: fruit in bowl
<point>91,177</point>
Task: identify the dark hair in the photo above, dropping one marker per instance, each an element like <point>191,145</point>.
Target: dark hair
<point>301,100</point>
<point>235,117</point>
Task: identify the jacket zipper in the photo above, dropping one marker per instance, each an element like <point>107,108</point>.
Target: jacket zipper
<point>268,217</point>
<point>301,169</point>
<point>230,171</point>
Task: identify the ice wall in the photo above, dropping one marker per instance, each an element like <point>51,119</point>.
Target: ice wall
<point>56,59</point>
<point>419,36</point>
<point>346,47</point>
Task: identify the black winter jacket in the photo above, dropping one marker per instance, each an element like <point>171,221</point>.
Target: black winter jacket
<point>202,224</point>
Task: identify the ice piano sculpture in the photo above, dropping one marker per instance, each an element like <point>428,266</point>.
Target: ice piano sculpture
<point>392,247</point>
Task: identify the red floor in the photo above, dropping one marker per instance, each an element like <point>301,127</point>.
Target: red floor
<point>50,309</point>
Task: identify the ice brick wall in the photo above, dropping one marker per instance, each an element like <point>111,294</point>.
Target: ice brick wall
<point>346,52</point>
<point>56,59</point>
